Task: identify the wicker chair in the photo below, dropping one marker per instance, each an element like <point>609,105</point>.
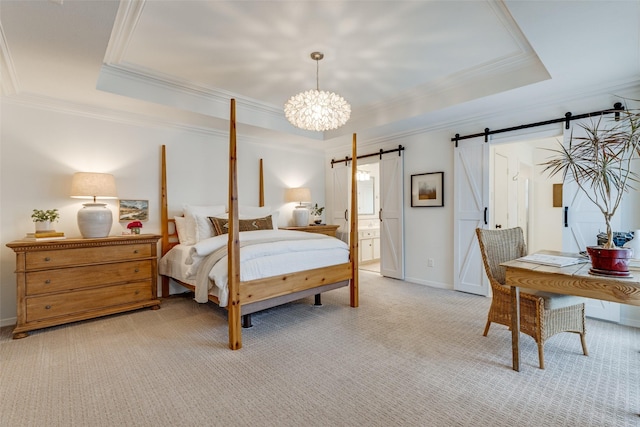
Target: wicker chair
<point>542,314</point>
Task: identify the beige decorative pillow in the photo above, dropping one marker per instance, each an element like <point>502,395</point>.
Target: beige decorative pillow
<point>221,225</point>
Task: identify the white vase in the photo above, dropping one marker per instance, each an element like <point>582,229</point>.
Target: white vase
<point>634,244</point>
<point>94,220</point>
<point>43,226</point>
<point>301,216</point>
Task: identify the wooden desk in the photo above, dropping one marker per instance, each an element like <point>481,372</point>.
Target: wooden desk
<point>570,280</point>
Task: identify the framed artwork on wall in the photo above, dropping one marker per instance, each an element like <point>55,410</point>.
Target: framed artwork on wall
<point>427,189</point>
<point>133,210</point>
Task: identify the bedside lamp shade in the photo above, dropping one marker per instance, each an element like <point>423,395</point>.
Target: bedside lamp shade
<point>94,219</point>
<point>301,213</point>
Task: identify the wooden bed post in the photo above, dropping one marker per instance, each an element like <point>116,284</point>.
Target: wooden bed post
<point>233,248</point>
<point>164,218</point>
<point>353,227</point>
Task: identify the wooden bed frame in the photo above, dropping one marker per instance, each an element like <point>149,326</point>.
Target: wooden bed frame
<point>255,295</point>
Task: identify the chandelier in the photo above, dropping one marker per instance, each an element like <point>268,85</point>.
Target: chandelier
<point>316,109</point>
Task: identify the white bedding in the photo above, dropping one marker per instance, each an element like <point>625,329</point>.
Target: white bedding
<point>264,253</point>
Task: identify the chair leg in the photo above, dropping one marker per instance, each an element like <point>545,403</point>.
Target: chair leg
<point>541,354</point>
<point>584,344</point>
<point>486,328</point>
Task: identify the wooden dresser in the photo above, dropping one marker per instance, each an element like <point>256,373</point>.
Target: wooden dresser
<point>328,229</point>
<point>64,281</point>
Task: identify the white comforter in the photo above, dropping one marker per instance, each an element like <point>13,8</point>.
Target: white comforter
<point>263,253</point>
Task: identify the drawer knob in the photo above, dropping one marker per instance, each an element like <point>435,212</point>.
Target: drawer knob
<point>48,307</point>
<point>137,291</point>
<point>137,270</point>
<point>135,251</point>
<point>47,259</point>
<point>47,281</point>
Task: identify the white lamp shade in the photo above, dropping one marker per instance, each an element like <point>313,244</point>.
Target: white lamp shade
<point>298,195</point>
<point>94,219</point>
<point>90,185</point>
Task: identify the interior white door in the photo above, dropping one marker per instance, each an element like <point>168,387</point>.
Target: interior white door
<point>500,191</point>
<point>391,217</point>
<point>582,221</point>
<point>524,197</point>
<point>340,191</point>
<point>471,201</point>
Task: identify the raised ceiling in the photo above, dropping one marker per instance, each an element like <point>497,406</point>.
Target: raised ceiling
<point>402,65</point>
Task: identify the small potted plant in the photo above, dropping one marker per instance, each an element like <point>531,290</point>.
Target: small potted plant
<point>601,165</point>
<point>316,211</point>
<point>135,227</point>
<point>44,218</point>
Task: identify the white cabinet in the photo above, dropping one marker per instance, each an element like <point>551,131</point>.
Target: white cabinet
<point>369,244</point>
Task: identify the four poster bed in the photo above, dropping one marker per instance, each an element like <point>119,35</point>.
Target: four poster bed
<point>213,266</point>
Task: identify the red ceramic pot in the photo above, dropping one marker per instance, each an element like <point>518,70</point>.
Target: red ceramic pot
<point>614,261</point>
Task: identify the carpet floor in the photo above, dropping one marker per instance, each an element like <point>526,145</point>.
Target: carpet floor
<point>410,355</point>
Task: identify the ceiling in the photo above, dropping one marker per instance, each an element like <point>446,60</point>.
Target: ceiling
<point>403,65</point>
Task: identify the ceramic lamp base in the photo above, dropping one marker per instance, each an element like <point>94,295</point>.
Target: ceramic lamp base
<point>94,220</point>
<point>301,216</point>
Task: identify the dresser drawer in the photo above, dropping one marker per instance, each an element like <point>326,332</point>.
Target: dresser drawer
<point>65,304</point>
<point>68,257</point>
<point>63,279</point>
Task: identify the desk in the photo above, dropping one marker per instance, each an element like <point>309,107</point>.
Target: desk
<point>570,280</point>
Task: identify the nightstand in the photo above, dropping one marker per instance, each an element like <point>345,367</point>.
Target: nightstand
<point>64,281</point>
<point>328,229</point>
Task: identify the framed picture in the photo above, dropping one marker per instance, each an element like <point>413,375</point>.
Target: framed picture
<point>133,210</point>
<point>427,189</point>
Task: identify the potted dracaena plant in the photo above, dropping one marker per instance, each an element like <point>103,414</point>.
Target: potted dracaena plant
<point>601,163</point>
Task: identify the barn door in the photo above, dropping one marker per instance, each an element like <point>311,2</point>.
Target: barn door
<point>471,201</point>
<point>581,223</point>
<point>391,217</point>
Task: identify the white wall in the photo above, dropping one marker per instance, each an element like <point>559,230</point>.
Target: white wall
<point>40,149</point>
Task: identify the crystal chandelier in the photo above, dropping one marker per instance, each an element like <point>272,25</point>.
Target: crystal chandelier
<point>316,109</point>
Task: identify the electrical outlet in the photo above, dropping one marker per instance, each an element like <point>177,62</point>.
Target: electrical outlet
<point>430,262</point>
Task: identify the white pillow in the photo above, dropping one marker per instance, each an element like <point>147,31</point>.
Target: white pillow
<point>197,219</point>
<point>181,229</point>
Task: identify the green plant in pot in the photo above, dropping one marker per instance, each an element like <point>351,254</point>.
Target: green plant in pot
<point>601,165</point>
<point>44,218</point>
<point>316,211</point>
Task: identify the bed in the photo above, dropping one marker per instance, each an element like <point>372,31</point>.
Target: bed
<point>266,281</point>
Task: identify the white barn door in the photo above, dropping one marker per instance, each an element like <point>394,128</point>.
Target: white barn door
<point>582,221</point>
<point>391,217</point>
<point>471,201</point>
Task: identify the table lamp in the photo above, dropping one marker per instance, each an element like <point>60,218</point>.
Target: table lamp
<point>300,213</point>
<point>94,219</point>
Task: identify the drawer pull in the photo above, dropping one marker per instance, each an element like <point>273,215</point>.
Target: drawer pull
<point>47,259</point>
<point>137,291</point>
<point>137,270</point>
<point>47,281</point>
<point>48,307</point>
<point>135,251</point>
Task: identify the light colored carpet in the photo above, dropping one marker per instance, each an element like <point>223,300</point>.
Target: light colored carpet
<point>409,355</point>
<point>371,266</point>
